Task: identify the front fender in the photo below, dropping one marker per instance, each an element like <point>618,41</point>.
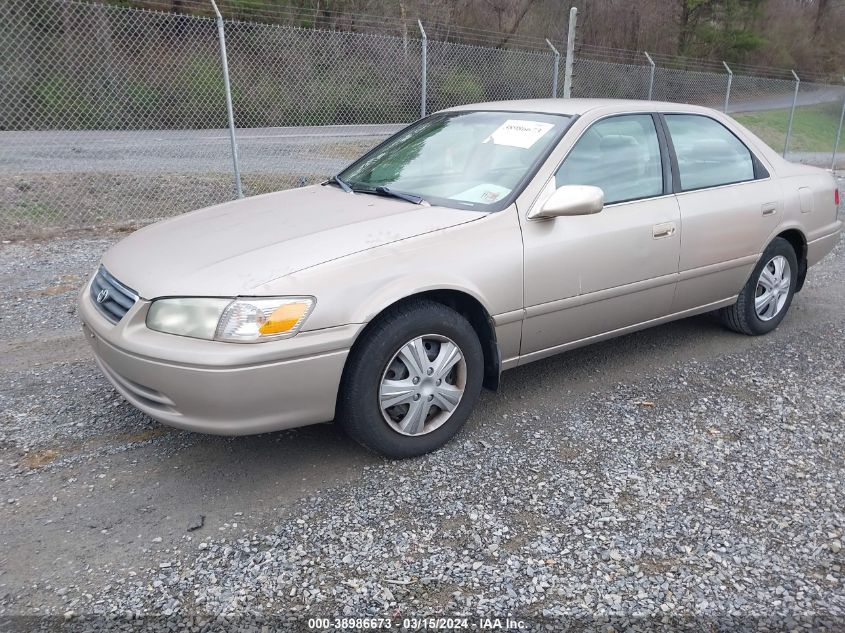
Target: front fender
<point>482,259</point>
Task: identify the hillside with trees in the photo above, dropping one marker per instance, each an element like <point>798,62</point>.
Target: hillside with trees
<point>803,34</point>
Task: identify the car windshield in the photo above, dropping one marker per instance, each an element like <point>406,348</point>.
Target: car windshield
<point>474,159</point>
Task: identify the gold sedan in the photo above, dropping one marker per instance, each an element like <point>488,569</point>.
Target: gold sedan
<point>477,239</point>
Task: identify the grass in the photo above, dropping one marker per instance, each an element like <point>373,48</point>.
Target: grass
<point>38,212</point>
<point>813,128</point>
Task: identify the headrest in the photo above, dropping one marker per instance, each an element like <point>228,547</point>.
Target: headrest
<point>713,149</point>
<point>618,141</point>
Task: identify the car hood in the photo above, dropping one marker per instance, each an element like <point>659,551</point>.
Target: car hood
<point>232,248</point>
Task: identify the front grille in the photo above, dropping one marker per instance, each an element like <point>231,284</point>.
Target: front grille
<point>111,297</point>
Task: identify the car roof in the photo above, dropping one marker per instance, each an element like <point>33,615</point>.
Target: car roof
<point>580,106</point>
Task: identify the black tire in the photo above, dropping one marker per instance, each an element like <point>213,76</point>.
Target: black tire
<point>742,316</point>
<point>359,411</point>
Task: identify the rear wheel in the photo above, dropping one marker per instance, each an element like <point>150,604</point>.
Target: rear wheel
<point>411,384</point>
<point>767,295</point>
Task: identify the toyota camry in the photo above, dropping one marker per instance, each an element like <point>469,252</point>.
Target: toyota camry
<point>477,239</point>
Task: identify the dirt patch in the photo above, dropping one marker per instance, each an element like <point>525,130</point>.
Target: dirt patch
<point>658,566</point>
<point>138,438</point>
<point>39,459</point>
<point>67,283</point>
<point>569,453</point>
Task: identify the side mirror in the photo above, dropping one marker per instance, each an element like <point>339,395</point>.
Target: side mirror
<point>571,200</point>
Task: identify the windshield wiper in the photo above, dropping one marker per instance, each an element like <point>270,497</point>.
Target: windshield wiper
<point>384,191</point>
<point>336,180</point>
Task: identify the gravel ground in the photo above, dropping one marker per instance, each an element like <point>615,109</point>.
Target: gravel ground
<point>713,493</point>
<point>39,282</point>
<point>682,477</point>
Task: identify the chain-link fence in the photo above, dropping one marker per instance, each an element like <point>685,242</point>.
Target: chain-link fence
<point>458,74</point>
<point>111,114</point>
<point>108,115</point>
<point>308,102</point>
<point>593,78</point>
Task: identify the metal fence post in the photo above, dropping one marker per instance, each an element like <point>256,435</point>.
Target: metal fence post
<point>570,53</point>
<point>424,71</point>
<point>555,69</point>
<point>838,133</point>
<point>730,81</point>
<point>228,88</point>
<point>791,113</point>
<point>651,75</point>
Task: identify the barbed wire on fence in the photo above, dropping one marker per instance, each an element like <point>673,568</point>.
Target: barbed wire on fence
<point>438,22</point>
<point>110,114</point>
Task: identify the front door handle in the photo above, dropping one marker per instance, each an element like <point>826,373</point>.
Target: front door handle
<point>666,229</point>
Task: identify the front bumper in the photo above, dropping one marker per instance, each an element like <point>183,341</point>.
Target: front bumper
<point>215,387</point>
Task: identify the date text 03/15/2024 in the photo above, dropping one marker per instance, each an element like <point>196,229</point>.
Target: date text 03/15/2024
<point>418,624</point>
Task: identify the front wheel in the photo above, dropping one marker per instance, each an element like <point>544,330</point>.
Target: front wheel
<point>412,382</point>
<point>767,295</point>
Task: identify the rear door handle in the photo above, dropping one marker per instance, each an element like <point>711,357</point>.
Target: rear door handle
<point>770,208</point>
<point>665,229</point>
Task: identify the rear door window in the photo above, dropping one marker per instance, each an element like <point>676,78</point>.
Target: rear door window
<point>709,155</point>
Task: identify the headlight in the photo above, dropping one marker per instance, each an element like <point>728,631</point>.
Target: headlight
<point>241,320</point>
<point>187,316</point>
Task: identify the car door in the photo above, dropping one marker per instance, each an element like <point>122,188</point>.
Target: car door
<point>729,205</point>
<point>593,274</point>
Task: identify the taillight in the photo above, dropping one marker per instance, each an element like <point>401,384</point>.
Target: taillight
<point>836,197</point>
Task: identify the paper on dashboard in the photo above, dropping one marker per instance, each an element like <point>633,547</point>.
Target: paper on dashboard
<point>519,133</point>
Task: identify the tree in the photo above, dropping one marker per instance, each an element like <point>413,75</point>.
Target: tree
<point>692,12</point>
<point>821,11</point>
<point>723,29</point>
<point>502,16</point>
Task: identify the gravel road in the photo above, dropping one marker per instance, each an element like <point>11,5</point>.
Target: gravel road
<point>783,101</point>
<point>323,148</point>
<point>684,476</point>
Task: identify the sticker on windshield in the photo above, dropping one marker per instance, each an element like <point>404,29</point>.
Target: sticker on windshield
<point>518,133</point>
<point>486,194</point>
